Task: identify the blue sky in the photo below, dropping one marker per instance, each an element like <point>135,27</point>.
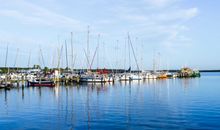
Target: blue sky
<point>179,32</point>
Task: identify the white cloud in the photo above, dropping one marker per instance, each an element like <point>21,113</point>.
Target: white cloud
<point>157,22</point>
<point>28,13</point>
<point>190,13</point>
<point>179,14</point>
<point>135,18</point>
<point>184,14</point>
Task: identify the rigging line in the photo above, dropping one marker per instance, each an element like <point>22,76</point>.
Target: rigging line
<point>86,57</point>
<point>94,55</point>
<point>72,59</point>
<point>133,51</point>
<point>59,56</point>
<point>66,54</point>
<point>41,53</point>
<point>16,57</point>
<point>6,57</point>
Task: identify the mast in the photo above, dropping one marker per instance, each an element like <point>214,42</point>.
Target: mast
<point>129,53</point>
<point>98,51</point>
<point>59,53</point>
<point>72,59</point>
<point>88,48</point>
<point>142,52</point>
<point>104,54</point>
<point>159,61</point>
<point>39,59</point>
<point>66,55</point>
<point>116,57</point>
<point>16,57</point>
<point>155,63</point>
<point>125,54</point>
<point>6,57</point>
<point>29,58</point>
<point>58,58</point>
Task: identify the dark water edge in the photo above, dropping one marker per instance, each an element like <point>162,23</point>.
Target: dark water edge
<point>153,104</point>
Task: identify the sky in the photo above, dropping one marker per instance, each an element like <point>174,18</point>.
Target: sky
<point>173,33</point>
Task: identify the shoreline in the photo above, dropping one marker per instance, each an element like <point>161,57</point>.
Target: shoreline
<point>113,70</point>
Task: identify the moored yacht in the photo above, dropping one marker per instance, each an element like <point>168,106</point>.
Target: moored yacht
<point>124,77</point>
<point>135,77</point>
<point>93,78</point>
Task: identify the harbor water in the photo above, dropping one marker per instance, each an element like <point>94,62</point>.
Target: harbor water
<point>192,103</point>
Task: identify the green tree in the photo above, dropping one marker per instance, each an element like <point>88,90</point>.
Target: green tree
<point>36,67</point>
<point>46,69</point>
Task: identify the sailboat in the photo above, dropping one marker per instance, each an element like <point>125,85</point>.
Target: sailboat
<point>5,83</point>
<point>39,81</point>
<point>134,76</point>
<point>124,77</point>
<point>92,77</point>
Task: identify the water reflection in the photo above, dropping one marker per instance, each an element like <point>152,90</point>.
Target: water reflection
<point>101,88</point>
<point>122,105</point>
<point>137,86</point>
<point>6,101</point>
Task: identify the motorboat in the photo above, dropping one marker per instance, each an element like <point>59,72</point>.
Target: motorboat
<point>41,83</point>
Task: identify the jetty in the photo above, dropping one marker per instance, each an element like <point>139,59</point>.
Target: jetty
<point>40,77</point>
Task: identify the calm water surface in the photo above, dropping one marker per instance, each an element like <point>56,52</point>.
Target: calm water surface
<point>153,104</point>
